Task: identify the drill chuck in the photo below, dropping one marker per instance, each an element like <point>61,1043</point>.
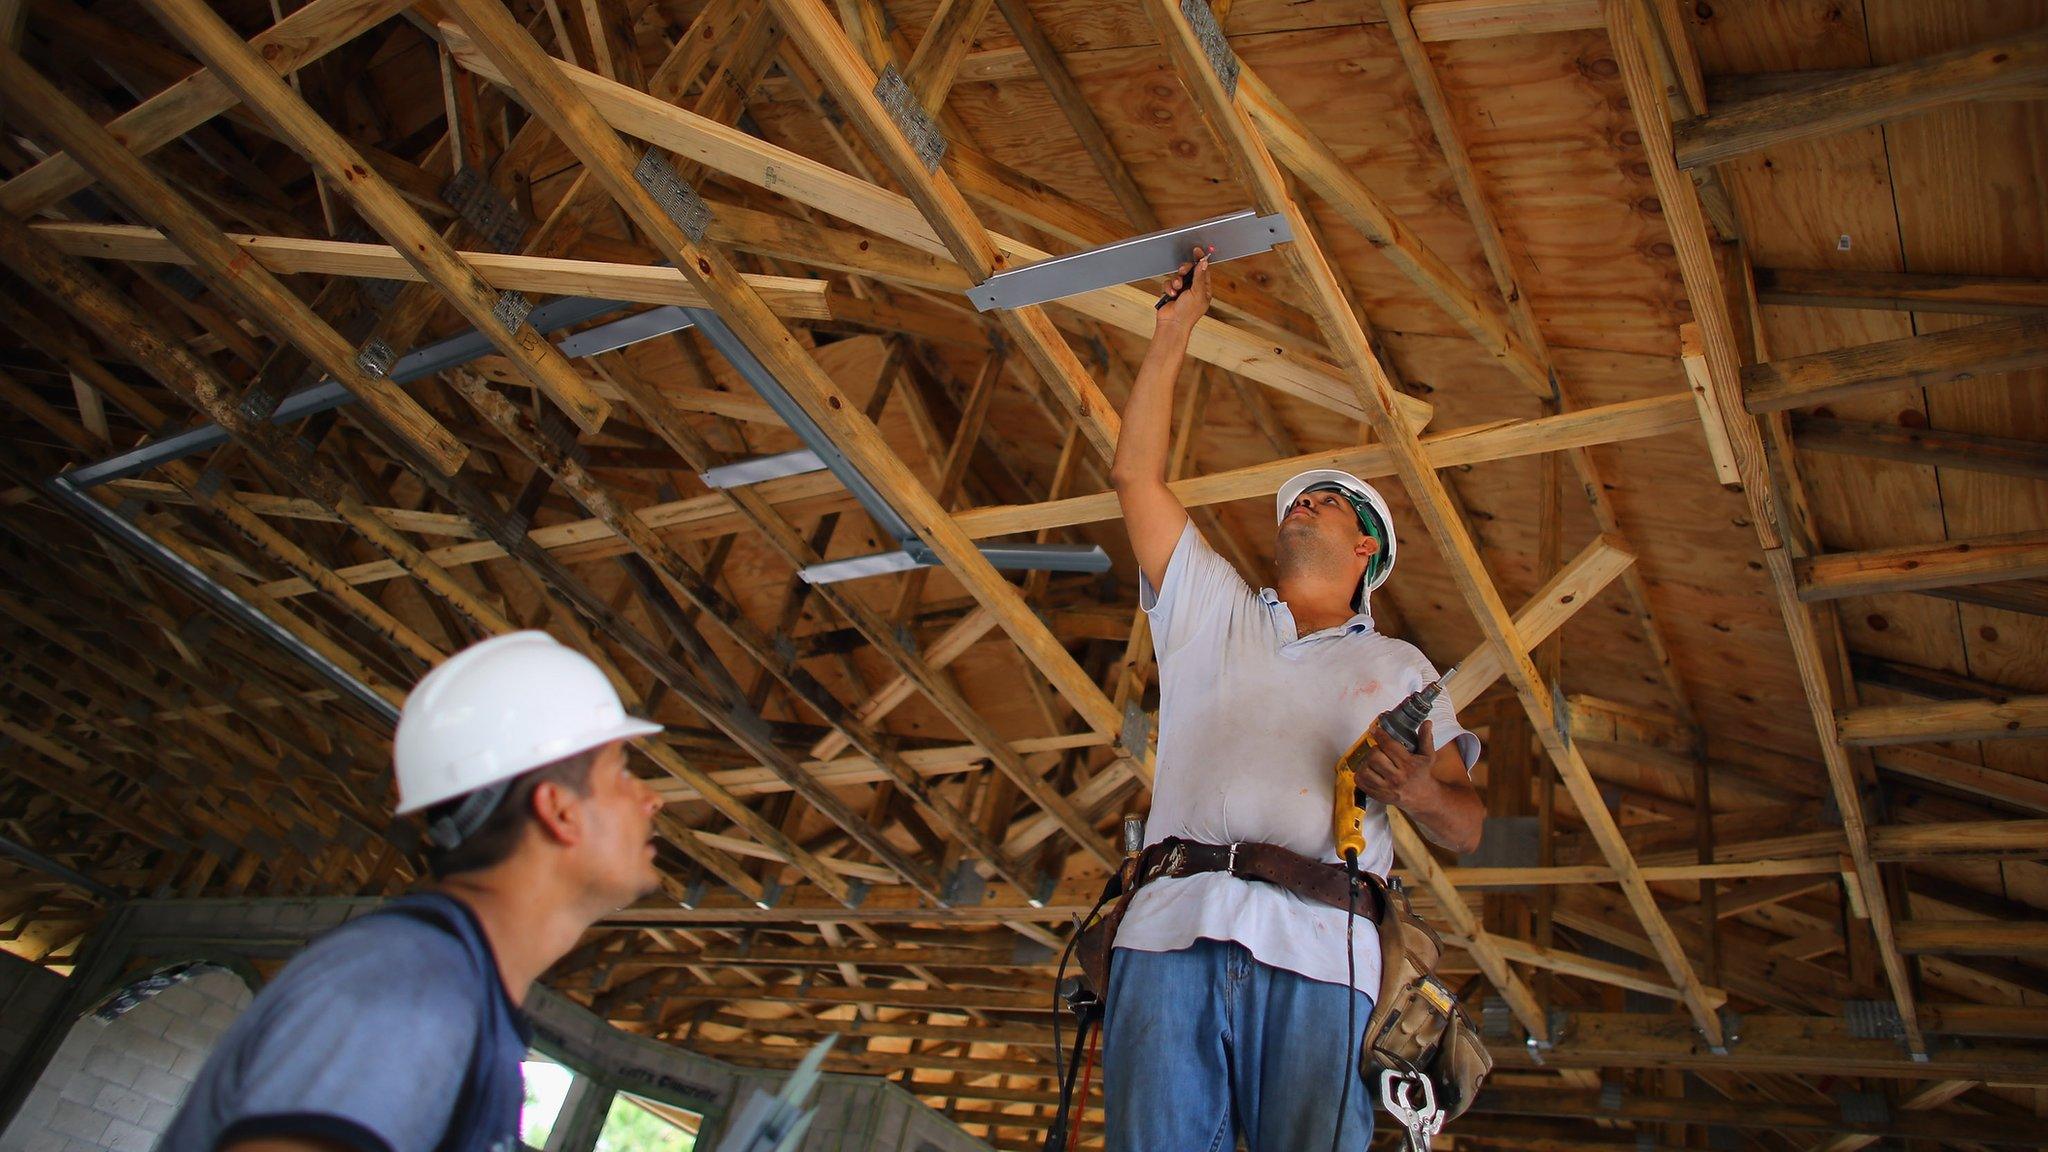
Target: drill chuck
<point>1404,722</point>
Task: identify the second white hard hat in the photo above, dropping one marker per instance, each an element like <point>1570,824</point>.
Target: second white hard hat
<point>1302,482</point>
<point>501,708</point>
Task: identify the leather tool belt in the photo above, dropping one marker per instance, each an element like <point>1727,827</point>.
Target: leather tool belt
<point>1311,880</point>
<point>1173,857</point>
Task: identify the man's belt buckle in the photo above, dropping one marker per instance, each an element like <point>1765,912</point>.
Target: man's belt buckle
<point>1230,864</point>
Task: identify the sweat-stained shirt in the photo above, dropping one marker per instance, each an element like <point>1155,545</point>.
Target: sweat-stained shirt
<point>1252,719</point>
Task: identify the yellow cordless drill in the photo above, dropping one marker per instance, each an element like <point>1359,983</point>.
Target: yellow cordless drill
<point>1403,722</point>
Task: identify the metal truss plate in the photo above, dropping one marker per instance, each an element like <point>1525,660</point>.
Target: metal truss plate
<point>375,359</point>
<point>1873,1020</point>
<point>631,330</point>
<point>1214,45</point>
<point>902,105</point>
<point>511,309</point>
<point>676,197</point>
<point>1146,257</point>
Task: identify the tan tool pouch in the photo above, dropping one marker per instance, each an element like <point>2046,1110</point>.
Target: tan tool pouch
<point>1416,1023</point>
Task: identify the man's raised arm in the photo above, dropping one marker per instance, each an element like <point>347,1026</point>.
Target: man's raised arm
<point>1152,513</point>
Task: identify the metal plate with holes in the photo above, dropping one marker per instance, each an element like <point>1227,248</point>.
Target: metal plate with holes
<point>673,194</point>
<point>619,333</point>
<point>1146,257</point>
<point>901,104</point>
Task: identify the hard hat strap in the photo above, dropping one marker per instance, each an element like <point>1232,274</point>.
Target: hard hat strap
<point>470,813</point>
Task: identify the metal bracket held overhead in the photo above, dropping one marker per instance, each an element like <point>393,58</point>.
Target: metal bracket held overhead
<point>1155,254</point>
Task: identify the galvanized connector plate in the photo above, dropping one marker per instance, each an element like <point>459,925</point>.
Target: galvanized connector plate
<point>511,309</point>
<point>901,104</point>
<point>677,199</point>
<point>1214,45</point>
<point>375,359</point>
<point>1147,257</point>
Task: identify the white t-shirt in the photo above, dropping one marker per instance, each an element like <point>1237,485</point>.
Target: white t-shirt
<point>1252,720</point>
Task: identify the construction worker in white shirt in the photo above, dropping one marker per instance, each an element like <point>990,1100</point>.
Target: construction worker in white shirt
<point>1229,995</point>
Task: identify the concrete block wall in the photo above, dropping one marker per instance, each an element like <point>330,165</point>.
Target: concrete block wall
<point>113,1086</point>
<point>28,993</point>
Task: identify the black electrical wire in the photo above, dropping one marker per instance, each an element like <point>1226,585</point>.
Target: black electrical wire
<point>1350,987</point>
<point>1056,1136</point>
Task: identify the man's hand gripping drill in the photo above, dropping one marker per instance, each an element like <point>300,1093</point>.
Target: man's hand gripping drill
<point>1390,763</point>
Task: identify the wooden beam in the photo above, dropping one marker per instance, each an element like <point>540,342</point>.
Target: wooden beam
<point>1930,447</point>
<point>497,318</point>
<point>1947,357</point>
<point>220,264</point>
<point>793,297</point>
<point>1560,598</point>
<point>1902,291</point>
<point>1753,1113</point>
<point>1970,840</point>
<point>1712,421</point>
<point>1584,967</point>
<point>711,515</point>
<point>1488,19</point>
<point>299,39</point>
<point>945,43</point>
<point>2027,597</point>
<point>1873,96</point>
<point>1473,444</point>
<point>1295,145</point>
<point>1034,1000</point>
<point>859,202</point>
<point>1911,567</point>
<point>1635,41</point>
<point>1052,70</point>
<point>2007,788</point>
<point>1944,720</point>
<point>1569,874</point>
<point>1973,937</point>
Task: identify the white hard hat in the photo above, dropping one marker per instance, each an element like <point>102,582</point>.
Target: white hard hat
<point>501,708</point>
<point>1304,481</point>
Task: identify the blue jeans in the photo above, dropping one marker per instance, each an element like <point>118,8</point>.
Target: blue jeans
<point>1206,1044</point>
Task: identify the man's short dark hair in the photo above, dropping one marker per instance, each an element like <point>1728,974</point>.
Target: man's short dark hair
<point>499,834</point>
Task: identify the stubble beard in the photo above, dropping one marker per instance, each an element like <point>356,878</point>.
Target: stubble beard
<point>1300,550</point>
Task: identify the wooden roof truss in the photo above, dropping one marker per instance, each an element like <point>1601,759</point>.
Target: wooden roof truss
<point>864,839</point>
